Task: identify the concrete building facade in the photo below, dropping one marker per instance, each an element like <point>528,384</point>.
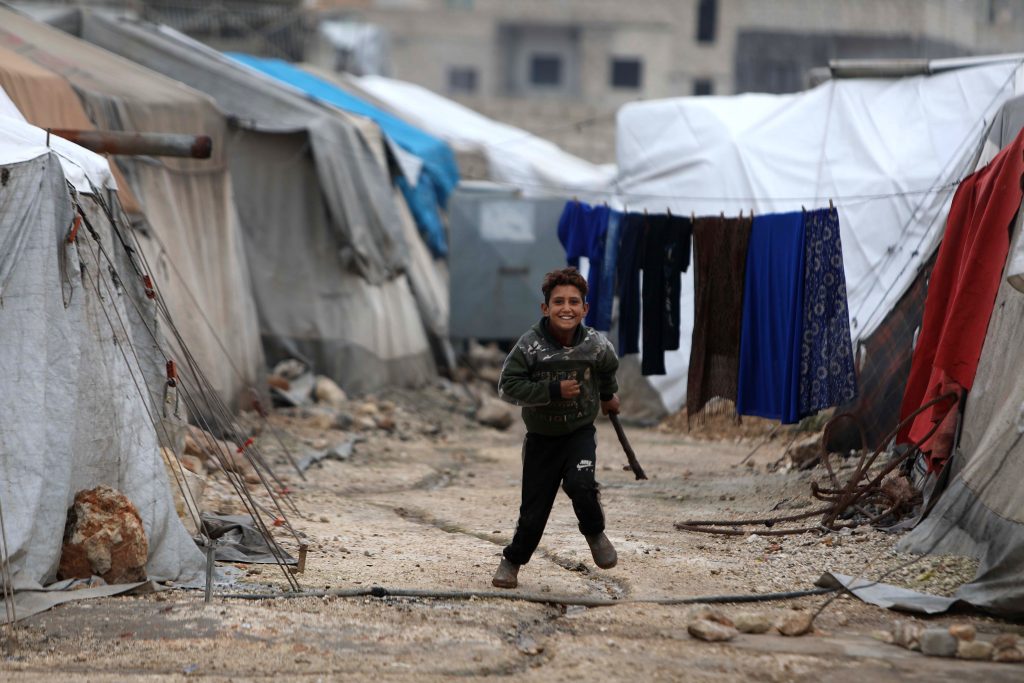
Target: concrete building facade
<point>561,68</point>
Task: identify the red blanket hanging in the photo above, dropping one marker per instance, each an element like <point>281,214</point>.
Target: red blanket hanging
<point>961,294</point>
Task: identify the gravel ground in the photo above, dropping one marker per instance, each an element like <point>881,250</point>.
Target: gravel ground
<point>428,503</point>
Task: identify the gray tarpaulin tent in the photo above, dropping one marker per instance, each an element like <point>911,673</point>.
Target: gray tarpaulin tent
<point>76,412</point>
<point>328,244</point>
<point>981,513</point>
<point>189,230</point>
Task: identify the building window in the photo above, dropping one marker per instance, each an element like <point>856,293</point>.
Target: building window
<point>703,86</point>
<point>545,69</point>
<point>462,79</point>
<point>627,72</point>
<point>707,11</point>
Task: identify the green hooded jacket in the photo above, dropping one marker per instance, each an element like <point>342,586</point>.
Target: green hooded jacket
<point>533,370</point>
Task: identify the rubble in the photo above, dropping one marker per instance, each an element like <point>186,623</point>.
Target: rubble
<point>974,649</point>
<point>711,631</point>
<point>104,536</point>
<point>907,635</point>
<point>327,391</point>
<point>495,413</point>
<point>938,642</point>
<point>752,622</point>
<point>963,631</point>
<point>796,624</point>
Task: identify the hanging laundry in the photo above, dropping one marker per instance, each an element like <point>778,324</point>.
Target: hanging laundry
<point>720,263</point>
<point>827,374</point>
<point>601,308</point>
<point>582,230</point>
<point>665,254</point>
<point>631,241</point>
<point>770,340</point>
<point>961,294</point>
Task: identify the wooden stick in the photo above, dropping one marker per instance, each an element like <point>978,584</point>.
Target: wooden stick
<point>634,464</point>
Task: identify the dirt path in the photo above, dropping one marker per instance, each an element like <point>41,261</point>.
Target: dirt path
<point>434,513</point>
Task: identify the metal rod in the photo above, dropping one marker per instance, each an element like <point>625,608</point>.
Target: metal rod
<point>149,144</point>
<point>210,550</point>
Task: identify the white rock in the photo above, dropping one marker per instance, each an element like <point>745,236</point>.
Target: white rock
<point>711,631</point>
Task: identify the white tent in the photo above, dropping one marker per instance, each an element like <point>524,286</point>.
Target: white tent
<point>516,157</point>
<point>887,152</point>
<point>75,358</point>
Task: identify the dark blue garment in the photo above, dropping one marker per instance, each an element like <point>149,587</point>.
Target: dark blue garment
<point>770,340</point>
<point>827,376</point>
<point>666,254</point>
<point>581,230</point>
<point>601,307</point>
<point>630,251</point>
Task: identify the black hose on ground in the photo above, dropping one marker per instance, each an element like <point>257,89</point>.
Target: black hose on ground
<point>580,600</point>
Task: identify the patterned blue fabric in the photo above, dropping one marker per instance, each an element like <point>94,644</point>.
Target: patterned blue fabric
<point>601,307</point>
<point>827,376</point>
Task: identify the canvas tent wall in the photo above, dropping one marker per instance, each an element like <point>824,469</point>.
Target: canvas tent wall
<point>190,232</point>
<point>73,412</point>
<point>535,165</point>
<point>425,185</point>
<point>329,245</point>
<point>887,152</point>
<point>981,513</point>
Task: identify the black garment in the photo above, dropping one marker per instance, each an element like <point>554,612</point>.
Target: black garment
<point>666,254</point>
<point>630,252</point>
<point>548,461</point>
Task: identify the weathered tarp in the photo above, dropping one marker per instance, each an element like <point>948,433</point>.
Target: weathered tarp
<point>323,232</point>
<point>189,232</point>
<point>76,412</point>
<point>428,194</point>
<point>887,152</point>
<point>537,166</point>
<point>982,512</point>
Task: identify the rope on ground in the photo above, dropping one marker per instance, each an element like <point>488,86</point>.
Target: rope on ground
<point>543,598</point>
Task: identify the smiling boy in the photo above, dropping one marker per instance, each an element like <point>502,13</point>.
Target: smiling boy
<point>560,372</point>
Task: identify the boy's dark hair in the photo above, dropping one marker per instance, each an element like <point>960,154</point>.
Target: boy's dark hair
<point>563,276</point>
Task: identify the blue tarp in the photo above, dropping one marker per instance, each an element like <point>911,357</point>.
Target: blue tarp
<point>440,174</point>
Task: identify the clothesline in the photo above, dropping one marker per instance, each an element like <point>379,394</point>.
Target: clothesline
<point>787,295</point>
<point>636,198</point>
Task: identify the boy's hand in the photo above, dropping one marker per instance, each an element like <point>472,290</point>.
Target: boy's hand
<point>570,388</point>
<point>610,406</point>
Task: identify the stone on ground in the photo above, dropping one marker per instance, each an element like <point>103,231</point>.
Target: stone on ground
<point>711,631</point>
<point>797,624</point>
<point>752,622</point>
<point>937,642</point>
<point>974,649</point>
<point>104,536</point>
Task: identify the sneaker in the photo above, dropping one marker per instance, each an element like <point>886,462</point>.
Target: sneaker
<point>602,550</point>
<point>507,575</point>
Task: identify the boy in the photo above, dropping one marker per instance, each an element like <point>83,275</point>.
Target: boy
<point>559,371</point>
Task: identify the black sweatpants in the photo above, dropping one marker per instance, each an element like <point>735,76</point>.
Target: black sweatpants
<point>550,461</point>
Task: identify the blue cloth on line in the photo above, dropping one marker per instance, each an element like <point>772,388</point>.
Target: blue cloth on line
<point>582,230</point>
<point>827,375</point>
<point>601,308</point>
<point>772,322</point>
<point>631,242</point>
<point>440,173</point>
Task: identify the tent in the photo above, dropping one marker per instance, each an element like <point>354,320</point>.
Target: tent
<point>333,253</point>
<point>514,156</point>
<point>76,410</point>
<point>887,152</point>
<point>425,189</point>
<point>188,226</point>
<point>981,513</point>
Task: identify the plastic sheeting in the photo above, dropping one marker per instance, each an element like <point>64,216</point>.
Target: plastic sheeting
<point>427,195</point>
<point>982,513</point>
<point>20,141</point>
<point>887,152</point>
<point>190,233</point>
<point>76,413</point>
<point>514,156</point>
<point>323,232</point>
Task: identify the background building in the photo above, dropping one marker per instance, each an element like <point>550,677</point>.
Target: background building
<point>561,68</point>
